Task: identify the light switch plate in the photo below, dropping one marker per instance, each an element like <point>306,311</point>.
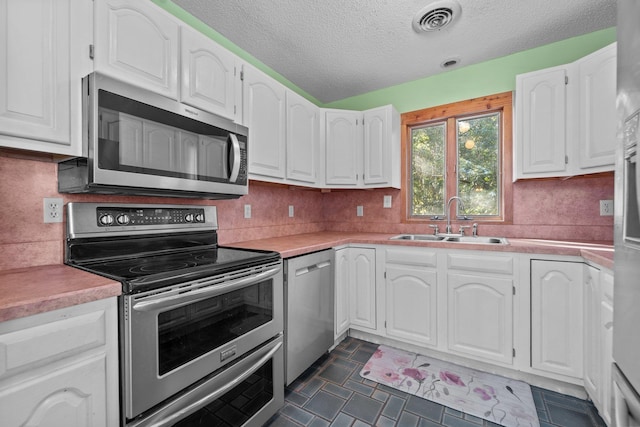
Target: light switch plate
<point>359,210</point>
<point>290,211</point>
<point>386,202</point>
<point>247,211</point>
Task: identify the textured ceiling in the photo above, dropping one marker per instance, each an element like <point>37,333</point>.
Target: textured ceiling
<point>334,49</point>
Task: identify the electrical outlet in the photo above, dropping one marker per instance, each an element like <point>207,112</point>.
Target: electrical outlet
<point>52,208</point>
<point>359,211</point>
<point>386,202</point>
<point>606,207</point>
<point>290,211</point>
<point>247,211</point>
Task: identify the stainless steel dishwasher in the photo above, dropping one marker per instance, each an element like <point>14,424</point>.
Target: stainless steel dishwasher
<point>308,330</point>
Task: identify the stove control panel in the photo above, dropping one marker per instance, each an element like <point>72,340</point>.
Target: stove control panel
<point>131,216</point>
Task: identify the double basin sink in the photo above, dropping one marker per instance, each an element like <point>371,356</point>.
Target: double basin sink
<point>451,238</point>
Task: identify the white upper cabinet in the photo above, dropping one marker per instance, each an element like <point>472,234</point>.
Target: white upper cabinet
<point>541,120</point>
<point>137,42</point>
<point>565,118</point>
<point>44,53</point>
<point>208,74</point>
<point>303,139</point>
<point>362,148</point>
<point>265,116</point>
<point>598,109</point>
<point>381,146</point>
<point>343,147</point>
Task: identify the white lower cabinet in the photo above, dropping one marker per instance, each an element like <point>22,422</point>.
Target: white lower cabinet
<point>362,295</point>
<point>60,368</point>
<point>557,317</point>
<point>480,316</point>
<point>355,289</point>
<point>411,302</point>
<point>598,336</point>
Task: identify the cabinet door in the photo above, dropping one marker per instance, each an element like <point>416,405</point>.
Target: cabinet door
<point>377,145</point>
<point>480,316</point>
<point>159,146</point>
<point>540,123</point>
<point>264,103</point>
<point>556,317</point>
<point>411,304</point>
<point>303,139</point>
<point>606,339</point>
<point>40,73</point>
<point>592,345</point>
<point>343,273</point>
<point>208,74</point>
<point>597,121</point>
<point>343,147</point>
<point>363,288</point>
<point>137,42</point>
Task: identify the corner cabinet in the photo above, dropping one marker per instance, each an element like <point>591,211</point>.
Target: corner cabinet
<point>362,148</point>
<point>302,139</point>
<point>44,53</point>
<point>60,368</point>
<point>557,317</point>
<point>137,42</point>
<point>565,118</point>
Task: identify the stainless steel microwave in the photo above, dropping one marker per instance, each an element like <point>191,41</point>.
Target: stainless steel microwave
<point>139,142</point>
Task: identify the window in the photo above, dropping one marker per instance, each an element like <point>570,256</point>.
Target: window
<point>461,149</point>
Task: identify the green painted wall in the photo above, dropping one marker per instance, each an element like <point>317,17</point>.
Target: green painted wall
<point>494,76</point>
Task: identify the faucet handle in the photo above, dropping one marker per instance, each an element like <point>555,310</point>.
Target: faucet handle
<point>462,228</point>
<point>435,228</point>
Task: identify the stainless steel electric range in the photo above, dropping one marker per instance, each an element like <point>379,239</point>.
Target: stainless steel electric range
<point>200,325</point>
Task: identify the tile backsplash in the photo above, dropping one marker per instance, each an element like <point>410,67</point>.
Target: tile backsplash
<point>546,209</point>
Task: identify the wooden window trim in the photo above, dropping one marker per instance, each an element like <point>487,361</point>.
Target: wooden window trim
<point>502,102</point>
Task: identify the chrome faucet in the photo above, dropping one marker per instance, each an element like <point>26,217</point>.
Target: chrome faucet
<point>460,203</point>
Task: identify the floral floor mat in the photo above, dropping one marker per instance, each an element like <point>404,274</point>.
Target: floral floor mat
<point>498,399</point>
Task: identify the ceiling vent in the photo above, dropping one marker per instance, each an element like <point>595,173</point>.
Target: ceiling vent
<point>436,16</point>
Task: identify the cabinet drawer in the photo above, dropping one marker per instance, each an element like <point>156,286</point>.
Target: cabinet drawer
<point>481,263</point>
<point>39,344</point>
<point>409,256</point>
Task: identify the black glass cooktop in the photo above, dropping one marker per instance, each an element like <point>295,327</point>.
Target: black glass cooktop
<point>148,263</point>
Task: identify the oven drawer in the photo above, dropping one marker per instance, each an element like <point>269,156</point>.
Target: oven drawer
<point>259,376</point>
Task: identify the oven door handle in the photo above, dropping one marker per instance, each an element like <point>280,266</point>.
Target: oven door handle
<point>171,419</point>
<point>165,301</point>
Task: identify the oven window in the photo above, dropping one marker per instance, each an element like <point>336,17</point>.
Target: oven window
<point>239,404</point>
<point>190,331</point>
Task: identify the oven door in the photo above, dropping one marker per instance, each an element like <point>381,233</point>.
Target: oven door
<point>246,394</point>
<point>174,337</point>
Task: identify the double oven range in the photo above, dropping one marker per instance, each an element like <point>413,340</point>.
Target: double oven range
<point>200,325</point>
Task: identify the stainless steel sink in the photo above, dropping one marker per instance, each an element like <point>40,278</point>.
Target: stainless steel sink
<point>478,239</point>
<point>453,239</point>
<point>426,237</point>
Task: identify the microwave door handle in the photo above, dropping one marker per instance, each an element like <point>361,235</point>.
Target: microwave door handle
<point>235,151</point>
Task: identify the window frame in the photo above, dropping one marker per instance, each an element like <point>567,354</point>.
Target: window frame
<point>449,113</point>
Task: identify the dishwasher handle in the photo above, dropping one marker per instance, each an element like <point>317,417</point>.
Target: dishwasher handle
<point>311,268</point>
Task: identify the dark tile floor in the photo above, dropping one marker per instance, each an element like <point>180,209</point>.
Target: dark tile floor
<point>332,393</point>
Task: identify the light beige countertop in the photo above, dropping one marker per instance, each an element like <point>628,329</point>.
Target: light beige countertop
<point>33,290</point>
